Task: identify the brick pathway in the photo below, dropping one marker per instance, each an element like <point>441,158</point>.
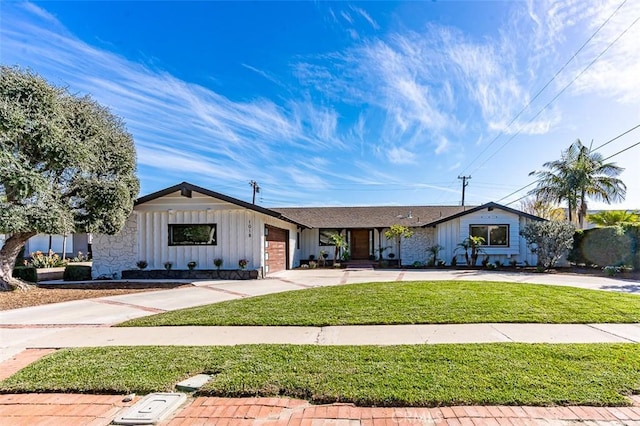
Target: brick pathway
<point>98,410</point>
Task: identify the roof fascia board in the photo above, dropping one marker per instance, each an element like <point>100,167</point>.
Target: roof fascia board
<point>478,208</point>
<point>188,186</point>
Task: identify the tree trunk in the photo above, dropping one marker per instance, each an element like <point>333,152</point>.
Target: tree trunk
<point>8,254</point>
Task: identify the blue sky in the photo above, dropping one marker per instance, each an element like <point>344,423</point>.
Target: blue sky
<point>347,103</point>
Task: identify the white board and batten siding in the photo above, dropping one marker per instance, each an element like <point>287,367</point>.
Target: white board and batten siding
<point>453,232</point>
<point>240,232</point>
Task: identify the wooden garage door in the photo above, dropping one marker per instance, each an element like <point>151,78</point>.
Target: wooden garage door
<point>276,250</point>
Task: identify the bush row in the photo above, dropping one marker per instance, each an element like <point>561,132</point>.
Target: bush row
<point>611,245</point>
<point>71,273</point>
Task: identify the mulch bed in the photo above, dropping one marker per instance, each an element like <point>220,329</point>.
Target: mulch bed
<point>55,293</point>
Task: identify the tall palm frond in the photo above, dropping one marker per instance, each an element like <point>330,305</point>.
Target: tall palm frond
<point>579,174</point>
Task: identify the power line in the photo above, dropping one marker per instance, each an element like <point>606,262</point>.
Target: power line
<point>561,91</point>
<point>620,152</point>
<point>617,137</point>
<point>542,89</point>
<point>593,150</point>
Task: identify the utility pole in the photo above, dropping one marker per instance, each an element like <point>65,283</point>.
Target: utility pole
<point>465,182</point>
<point>256,189</point>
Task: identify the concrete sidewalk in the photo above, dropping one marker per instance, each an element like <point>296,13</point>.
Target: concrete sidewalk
<point>332,335</point>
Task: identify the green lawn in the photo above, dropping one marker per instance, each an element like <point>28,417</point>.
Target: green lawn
<point>420,375</point>
<point>423,302</point>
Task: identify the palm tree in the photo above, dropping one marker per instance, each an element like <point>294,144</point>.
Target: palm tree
<point>613,217</point>
<point>578,175</point>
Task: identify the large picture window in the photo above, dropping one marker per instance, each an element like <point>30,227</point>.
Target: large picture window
<point>193,235</point>
<point>494,235</point>
<point>325,236</point>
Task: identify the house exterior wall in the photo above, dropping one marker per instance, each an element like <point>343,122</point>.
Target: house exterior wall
<point>411,249</point>
<point>40,242</point>
<point>240,235</point>
<point>114,253</point>
<point>453,232</point>
<point>414,249</point>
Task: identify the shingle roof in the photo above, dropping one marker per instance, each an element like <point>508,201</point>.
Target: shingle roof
<point>367,217</point>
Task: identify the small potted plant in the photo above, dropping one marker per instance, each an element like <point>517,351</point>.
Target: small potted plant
<point>242,263</point>
<point>324,254</point>
<point>142,264</point>
<point>168,265</point>
<point>218,263</point>
<point>192,265</point>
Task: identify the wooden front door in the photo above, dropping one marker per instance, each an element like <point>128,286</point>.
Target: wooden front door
<point>359,244</point>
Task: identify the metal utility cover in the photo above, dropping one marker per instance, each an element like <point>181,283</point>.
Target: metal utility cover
<point>151,409</point>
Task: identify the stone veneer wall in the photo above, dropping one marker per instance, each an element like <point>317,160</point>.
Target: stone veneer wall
<point>415,248</point>
<point>114,253</point>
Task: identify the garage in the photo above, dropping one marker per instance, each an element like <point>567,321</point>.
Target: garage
<point>276,249</point>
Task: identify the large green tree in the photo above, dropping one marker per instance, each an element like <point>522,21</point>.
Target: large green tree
<point>67,164</point>
<point>577,176</point>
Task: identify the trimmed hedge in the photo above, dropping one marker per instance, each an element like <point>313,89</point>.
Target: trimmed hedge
<point>77,273</point>
<point>611,245</point>
<point>26,273</point>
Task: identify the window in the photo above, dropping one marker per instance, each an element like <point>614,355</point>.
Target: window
<point>325,236</point>
<point>193,235</point>
<point>494,235</point>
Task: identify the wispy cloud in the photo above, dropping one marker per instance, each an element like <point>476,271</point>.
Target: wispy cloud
<point>371,113</point>
<point>264,74</point>
<point>217,137</point>
<point>366,16</point>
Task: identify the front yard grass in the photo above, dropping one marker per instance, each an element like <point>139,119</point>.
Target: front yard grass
<point>418,375</point>
<point>423,302</point>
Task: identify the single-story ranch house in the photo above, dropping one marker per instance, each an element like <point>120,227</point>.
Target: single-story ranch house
<point>186,223</point>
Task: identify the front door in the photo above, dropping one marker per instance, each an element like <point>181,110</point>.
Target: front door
<point>359,244</point>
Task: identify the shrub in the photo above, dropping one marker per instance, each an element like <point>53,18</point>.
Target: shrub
<point>192,265</point>
<point>313,264</point>
<point>612,270</point>
<point>168,265</point>
<point>549,240</point>
<point>81,257</point>
<point>26,273</point>
<point>49,260</point>
<point>142,264</point>
<point>242,263</point>
<point>612,245</point>
<point>218,262</point>
<point>77,273</point>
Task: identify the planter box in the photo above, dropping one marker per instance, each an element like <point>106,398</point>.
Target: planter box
<point>195,274</point>
<point>48,274</point>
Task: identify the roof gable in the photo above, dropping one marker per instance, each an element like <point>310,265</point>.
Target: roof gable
<point>186,189</point>
<point>488,206</point>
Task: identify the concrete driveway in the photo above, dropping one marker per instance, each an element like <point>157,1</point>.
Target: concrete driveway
<point>86,322</point>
